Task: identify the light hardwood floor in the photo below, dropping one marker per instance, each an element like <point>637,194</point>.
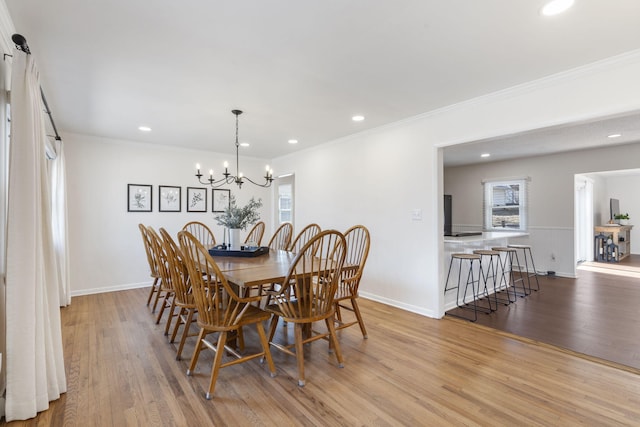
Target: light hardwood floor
<point>412,370</point>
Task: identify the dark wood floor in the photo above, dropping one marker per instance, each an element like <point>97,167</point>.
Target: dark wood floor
<point>596,314</point>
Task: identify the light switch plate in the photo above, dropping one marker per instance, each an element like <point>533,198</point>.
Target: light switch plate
<point>416,215</point>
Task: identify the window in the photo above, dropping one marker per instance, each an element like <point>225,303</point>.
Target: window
<point>505,205</point>
<point>285,199</point>
<point>284,203</point>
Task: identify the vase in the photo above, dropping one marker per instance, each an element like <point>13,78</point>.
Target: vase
<point>234,239</point>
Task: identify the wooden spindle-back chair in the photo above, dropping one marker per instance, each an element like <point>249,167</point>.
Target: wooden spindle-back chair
<point>306,295</point>
<point>303,237</point>
<point>220,310</point>
<point>201,232</point>
<point>358,243</point>
<point>183,298</point>
<point>155,275</point>
<point>281,239</point>
<point>165,293</point>
<point>255,234</point>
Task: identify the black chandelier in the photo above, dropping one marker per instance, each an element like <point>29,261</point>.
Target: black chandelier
<point>239,178</point>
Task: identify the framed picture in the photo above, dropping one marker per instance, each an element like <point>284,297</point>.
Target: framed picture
<point>139,198</point>
<point>220,200</point>
<point>169,198</point>
<point>196,199</point>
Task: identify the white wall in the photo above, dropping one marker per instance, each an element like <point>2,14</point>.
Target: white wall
<point>106,251</point>
<point>551,196</point>
<point>377,178</point>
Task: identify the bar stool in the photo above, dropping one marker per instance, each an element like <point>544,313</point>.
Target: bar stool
<point>528,256</point>
<point>508,276</point>
<point>491,272</point>
<point>471,280</point>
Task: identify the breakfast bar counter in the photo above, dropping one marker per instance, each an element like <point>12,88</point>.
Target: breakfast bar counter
<point>468,244</point>
<point>485,237</point>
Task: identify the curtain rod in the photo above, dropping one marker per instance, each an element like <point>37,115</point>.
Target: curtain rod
<point>21,44</point>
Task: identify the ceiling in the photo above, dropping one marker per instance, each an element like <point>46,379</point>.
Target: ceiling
<point>556,139</point>
<point>301,70</point>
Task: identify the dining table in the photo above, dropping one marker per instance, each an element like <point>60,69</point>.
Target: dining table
<point>253,272</point>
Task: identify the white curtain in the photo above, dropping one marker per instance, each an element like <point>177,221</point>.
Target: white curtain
<point>35,365</point>
<point>58,180</point>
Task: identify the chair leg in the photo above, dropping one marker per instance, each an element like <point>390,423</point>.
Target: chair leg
<point>196,352</point>
<point>165,302</point>
<point>157,298</point>
<point>240,335</point>
<point>299,353</point>
<point>185,333</point>
<point>217,361</point>
<point>172,310</point>
<point>152,290</point>
<point>179,322</point>
<point>330,321</point>
<point>266,349</point>
<point>356,310</point>
<point>272,327</point>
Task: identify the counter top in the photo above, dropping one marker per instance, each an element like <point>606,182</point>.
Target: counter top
<point>487,235</point>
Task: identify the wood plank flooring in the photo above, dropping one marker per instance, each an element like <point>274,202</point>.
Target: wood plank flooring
<point>596,314</point>
<point>412,370</point>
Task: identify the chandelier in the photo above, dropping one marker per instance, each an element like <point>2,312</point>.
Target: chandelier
<point>239,178</point>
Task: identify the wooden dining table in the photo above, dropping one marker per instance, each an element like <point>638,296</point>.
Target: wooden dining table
<point>253,272</point>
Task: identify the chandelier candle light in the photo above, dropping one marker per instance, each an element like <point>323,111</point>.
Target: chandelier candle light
<point>230,179</point>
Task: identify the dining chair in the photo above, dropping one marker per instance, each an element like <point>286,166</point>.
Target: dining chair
<point>306,296</point>
<point>166,287</point>
<point>255,234</point>
<point>303,237</point>
<point>201,232</point>
<point>183,298</point>
<point>282,237</point>
<point>220,310</point>
<point>358,242</point>
<point>155,286</point>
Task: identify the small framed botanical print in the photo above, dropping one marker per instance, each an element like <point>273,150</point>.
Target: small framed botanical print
<point>139,198</point>
<point>196,199</point>
<point>169,198</point>
<point>220,199</point>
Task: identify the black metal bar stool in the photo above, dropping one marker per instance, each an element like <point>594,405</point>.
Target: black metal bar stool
<point>471,280</point>
<point>491,273</point>
<point>508,274</point>
<point>528,258</point>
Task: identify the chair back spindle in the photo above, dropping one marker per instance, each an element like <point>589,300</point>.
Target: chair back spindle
<point>255,234</point>
<point>304,236</point>
<point>201,232</point>
<point>281,239</point>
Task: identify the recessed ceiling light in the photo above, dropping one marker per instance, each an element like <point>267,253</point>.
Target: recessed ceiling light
<point>485,155</point>
<point>357,118</point>
<point>293,141</point>
<point>244,144</point>
<point>555,7</point>
<point>614,135</point>
<point>144,128</point>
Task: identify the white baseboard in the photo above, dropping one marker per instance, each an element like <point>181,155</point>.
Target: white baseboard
<point>116,288</point>
<point>397,304</point>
